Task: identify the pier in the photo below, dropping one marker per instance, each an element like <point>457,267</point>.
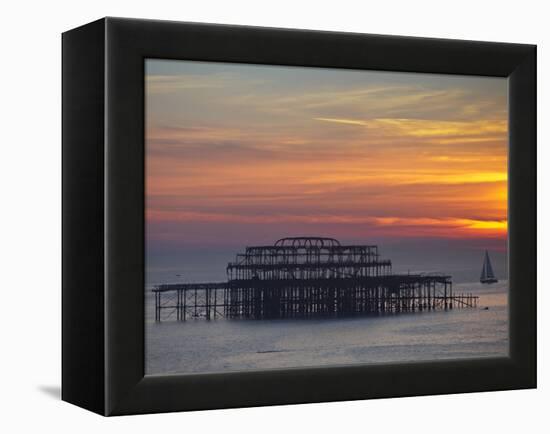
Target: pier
<point>308,277</point>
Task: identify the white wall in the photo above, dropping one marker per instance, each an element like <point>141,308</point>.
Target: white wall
<point>30,98</point>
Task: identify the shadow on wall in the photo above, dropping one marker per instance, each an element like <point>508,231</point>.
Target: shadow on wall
<point>51,391</point>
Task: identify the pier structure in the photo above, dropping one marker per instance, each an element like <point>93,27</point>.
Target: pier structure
<point>306,277</point>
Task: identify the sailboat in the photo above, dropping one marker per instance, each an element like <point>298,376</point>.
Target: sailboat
<point>487,275</point>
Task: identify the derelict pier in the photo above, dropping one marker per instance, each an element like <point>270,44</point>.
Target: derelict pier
<point>308,277</point>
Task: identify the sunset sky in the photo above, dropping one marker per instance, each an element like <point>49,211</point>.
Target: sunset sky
<point>245,154</point>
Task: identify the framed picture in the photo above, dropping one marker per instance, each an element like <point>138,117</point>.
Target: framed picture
<point>258,216</point>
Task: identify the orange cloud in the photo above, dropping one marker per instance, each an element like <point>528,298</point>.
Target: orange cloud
<point>381,158</point>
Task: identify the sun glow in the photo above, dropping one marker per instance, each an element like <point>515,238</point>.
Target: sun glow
<point>358,159</point>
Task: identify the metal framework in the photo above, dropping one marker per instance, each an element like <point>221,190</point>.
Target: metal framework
<point>305,277</point>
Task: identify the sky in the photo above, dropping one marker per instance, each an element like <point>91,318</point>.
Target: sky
<point>240,154</point>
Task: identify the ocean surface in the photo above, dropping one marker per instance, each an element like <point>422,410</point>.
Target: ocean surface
<point>200,346</point>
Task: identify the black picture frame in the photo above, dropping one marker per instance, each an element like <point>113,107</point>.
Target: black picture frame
<point>103,215</point>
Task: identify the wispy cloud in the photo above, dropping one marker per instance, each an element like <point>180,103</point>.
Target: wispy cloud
<point>343,121</point>
<point>364,154</point>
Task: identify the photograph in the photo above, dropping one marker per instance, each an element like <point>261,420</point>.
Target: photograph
<point>303,217</point>
<point>277,217</point>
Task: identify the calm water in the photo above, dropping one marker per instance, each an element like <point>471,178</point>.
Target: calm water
<point>200,346</point>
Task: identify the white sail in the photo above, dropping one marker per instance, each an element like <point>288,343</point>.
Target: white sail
<point>487,274</point>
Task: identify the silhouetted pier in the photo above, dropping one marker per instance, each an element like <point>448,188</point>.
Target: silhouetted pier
<point>308,277</point>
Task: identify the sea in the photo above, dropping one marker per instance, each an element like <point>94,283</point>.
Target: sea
<point>223,345</point>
